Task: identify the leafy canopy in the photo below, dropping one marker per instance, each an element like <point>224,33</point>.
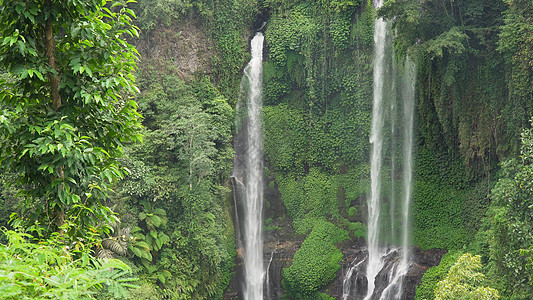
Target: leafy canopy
<point>464,281</point>
<point>66,106</point>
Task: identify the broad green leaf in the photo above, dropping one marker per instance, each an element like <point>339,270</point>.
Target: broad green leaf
<point>142,216</point>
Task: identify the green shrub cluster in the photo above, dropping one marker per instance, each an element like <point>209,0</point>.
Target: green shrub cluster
<point>465,281</point>
<point>438,213</point>
<point>311,198</point>
<point>316,262</point>
<point>426,289</point>
<point>315,196</point>
<point>32,268</point>
<point>443,201</point>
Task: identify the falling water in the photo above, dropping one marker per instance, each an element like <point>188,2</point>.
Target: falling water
<point>347,283</point>
<point>376,140</point>
<point>399,270</point>
<point>238,188</point>
<point>389,268</point>
<point>253,200</point>
<point>408,89</point>
<point>267,281</point>
<point>393,109</point>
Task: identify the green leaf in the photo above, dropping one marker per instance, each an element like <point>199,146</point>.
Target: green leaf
<point>146,262</point>
<point>22,47</point>
<point>39,75</point>
<point>136,251</point>
<point>156,220</point>
<point>160,212</point>
<point>114,264</point>
<point>143,245</point>
<point>142,216</point>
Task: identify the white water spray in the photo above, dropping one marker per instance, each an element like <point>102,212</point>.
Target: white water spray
<point>253,202</point>
<point>347,283</point>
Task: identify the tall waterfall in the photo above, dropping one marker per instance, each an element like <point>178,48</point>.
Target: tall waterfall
<point>252,171</point>
<point>382,265</point>
<point>395,283</point>
<point>408,95</point>
<point>375,263</point>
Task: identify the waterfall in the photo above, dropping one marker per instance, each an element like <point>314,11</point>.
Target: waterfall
<point>376,140</point>
<point>397,273</point>
<point>348,283</point>
<point>252,167</point>
<point>388,270</point>
<point>267,281</point>
<point>408,92</point>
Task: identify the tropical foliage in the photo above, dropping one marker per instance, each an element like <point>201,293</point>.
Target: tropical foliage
<point>67,107</point>
<point>69,126</point>
<point>51,269</point>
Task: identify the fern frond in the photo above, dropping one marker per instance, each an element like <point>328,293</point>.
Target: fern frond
<point>116,245</point>
<point>104,253</point>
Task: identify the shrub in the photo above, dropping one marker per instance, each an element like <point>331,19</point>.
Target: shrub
<point>316,262</point>
<point>430,279</point>
<point>48,269</point>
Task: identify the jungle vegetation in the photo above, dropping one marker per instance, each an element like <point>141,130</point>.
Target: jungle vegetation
<point>115,162</point>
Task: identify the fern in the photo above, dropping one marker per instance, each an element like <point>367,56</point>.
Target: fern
<point>117,245</point>
<point>118,280</point>
<point>104,253</point>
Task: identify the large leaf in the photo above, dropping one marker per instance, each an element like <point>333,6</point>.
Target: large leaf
<point>156,220</point>
<point>160,212</point>
<point>142,216</point>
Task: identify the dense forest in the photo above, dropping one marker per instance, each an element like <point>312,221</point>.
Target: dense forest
<point>117,133</point>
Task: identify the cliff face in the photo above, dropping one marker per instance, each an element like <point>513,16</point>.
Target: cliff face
<point>184,44</point>
<point>317,93</point>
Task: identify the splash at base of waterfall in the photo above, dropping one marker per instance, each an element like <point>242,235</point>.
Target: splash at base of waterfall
<point>388,283</point>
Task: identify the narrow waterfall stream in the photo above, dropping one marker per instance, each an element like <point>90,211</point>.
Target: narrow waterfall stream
<point>393,105</point>
<point>376,139</point>
<point>267,281</point>
<point>251,87</point>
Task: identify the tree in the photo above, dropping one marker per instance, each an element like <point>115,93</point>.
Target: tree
<point>193,138</point>
<point>463,281</point>
<point>67,107</point>
<point>512,222</point>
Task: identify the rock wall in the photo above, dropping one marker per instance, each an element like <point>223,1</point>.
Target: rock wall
<point>186,44</point>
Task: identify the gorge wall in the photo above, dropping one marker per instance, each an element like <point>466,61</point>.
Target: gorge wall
<point>317,117</point>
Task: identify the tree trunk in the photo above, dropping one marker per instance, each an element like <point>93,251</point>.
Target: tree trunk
<point>49,43</point>
<point>59,211</point>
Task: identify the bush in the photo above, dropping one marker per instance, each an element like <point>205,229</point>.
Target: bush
<point>465,282</point>
<point>426,289</point>
<point>48,269</point>
<point>309,199</point>
<point>316,262</point>
<point>438,215</point>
